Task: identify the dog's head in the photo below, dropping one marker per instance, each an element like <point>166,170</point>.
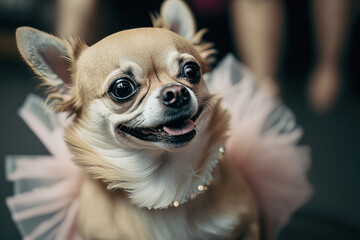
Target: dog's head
<point>143,84</point>
<point>139,89</point>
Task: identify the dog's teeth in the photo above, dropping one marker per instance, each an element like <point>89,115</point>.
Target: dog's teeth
<point>151,130</point>
<point>145,131</point>
<point>155,129</point>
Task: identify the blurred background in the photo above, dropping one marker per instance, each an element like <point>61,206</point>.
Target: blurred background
<point>306,52</point>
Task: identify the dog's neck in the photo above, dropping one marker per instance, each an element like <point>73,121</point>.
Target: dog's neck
<point>153,178</point>
<point>169,179</point>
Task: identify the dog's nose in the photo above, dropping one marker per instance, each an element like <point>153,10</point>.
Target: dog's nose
<point>175,96</point>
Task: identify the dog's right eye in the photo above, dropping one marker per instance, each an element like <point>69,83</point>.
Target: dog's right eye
<point>122,89</point>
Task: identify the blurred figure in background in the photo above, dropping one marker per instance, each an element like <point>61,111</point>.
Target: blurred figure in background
<point>330,24</point>
<point>257,28</point>
<point>258,32</point>
<point>75,18</point>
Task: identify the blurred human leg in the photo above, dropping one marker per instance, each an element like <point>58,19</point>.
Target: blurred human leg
<point>257,26</point>
<point>74,18</point>
<point>330,20</point>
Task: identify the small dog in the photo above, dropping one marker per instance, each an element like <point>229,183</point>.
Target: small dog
<point>146,131</point>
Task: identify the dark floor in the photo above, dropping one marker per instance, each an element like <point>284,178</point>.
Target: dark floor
<point>333,212</point>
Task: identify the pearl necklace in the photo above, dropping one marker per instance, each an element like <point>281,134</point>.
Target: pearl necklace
<point>201,186</point>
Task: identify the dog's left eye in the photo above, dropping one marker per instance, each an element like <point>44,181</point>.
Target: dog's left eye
<point>191,71</point>
<point>122,89</point>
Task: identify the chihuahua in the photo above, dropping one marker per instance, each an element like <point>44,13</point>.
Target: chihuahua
<point>146,131</point>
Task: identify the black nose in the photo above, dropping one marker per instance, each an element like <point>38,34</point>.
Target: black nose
<point>175,96</point>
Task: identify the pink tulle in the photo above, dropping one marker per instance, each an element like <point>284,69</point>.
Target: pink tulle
<point>45,203</point>
<point>263,143</point>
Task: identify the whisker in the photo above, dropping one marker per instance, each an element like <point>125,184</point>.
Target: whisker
<point>131,129</point>
<point>135,125</point>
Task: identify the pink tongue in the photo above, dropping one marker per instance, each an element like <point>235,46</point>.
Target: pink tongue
<point>184,128</point>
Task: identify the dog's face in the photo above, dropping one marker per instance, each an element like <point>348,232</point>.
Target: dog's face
<point>144,85</point>
<point>142,88</point>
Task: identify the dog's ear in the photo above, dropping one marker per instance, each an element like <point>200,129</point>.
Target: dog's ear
<point>52,59</point>
<point>176,16</point>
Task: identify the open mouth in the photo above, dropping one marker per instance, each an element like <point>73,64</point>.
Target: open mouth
<point>178,131</point>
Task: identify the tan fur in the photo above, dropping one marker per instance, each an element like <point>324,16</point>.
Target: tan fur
<point>75,47</point>
<point>107,210</point>
<point>219,126</point>
<point>109,215</point>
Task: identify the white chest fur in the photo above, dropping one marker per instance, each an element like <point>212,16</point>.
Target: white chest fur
<point>212,215</point>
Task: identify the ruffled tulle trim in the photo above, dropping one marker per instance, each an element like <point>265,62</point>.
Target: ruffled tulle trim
<point>263,143</point>
<point>46,188</point>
